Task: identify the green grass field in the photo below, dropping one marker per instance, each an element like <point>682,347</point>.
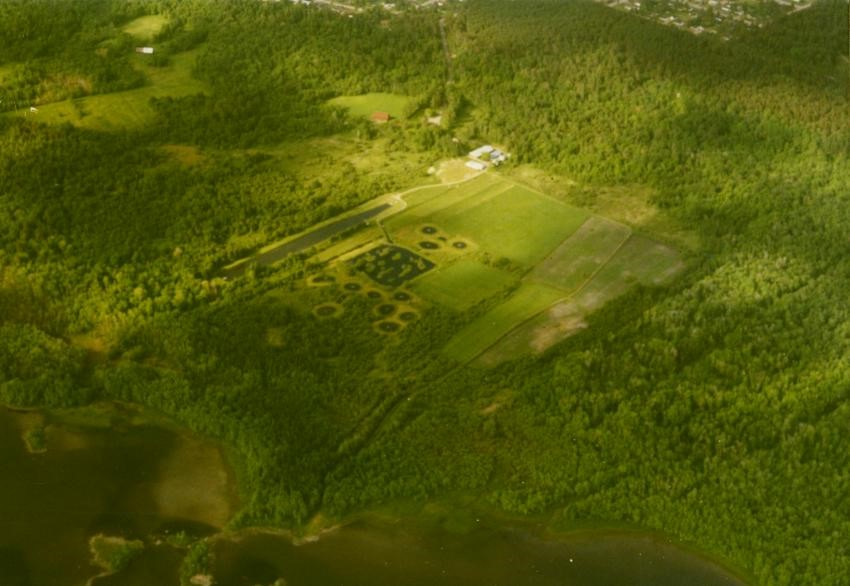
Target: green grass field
<point>129,109</point>
<point>365,105</point>
<point>462,284</point>
<point>145,28</point>
<point>581,255</point>
<point>424,204</point>
<point>515,223</point>
<point>529,300</point>
<point>639,260</point>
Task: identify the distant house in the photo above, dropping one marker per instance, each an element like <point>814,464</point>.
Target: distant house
<point>145,50</point>
<point>381,117</point>
<point>477,165</point>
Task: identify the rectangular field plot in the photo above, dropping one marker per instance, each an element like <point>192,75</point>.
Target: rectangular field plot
<point>639,260</point>
<point>391,265</point>
<point>581,255</point>
<point>529,300</point>
<point>463,284</point>
<point>515,223</point>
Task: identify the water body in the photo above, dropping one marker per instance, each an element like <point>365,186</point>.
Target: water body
<point>367,554</point>
<point>307,240</point>
<point>106,472</point>
<point>112,472</point>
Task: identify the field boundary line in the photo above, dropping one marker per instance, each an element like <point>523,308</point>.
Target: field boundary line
<point>563,203</point>
<point>566,297</point>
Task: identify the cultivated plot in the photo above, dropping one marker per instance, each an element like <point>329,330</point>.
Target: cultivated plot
<point>640,260</point>
<point>582,254</point>
<point>529,300</point>
<point>463,284</point>
<point>515,223</point>
<point>391,265</point>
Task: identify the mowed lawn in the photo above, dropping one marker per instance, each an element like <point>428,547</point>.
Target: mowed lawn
<point>515,223</point>
<point>582,254</point>
<point>423,205</point>
<point>462,284</point>
<point>128,109</point>
<point>366,104</point>
<point>530,299</point>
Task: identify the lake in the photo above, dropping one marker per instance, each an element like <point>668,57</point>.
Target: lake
<point>111,470</point>
<point>373,553</point>
<point>104,471</point>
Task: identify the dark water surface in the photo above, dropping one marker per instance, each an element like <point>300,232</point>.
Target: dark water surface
<point>307,240</point>
<point>123,477</point>
<point>370,555</point>
<point>104,478</point>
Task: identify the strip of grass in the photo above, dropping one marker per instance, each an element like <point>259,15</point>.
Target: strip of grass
<point>581,255</point>
<point>366,104</point>
<point>530,299</point>
<point>463,284</point>
<point>519,224</point>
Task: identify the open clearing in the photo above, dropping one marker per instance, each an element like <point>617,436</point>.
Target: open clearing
<point>582,254</point>
<point>529,300</point>
<point>366,104</point>
<point>128,109</point>
<point>145,28</point>
<point>546,264</point>
<point>463,284</point>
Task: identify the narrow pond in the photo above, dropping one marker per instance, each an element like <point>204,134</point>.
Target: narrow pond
<point>306,240</point>
<point>110,471</point>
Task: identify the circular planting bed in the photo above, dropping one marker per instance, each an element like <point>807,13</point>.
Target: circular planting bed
<point>374,294</point>
<point>386,309</point>
<point>323,280</point>
<point>429,230</point>
<point>353,286</point>
<point>401,296</point>
<point>407,316</point>
<point>326,310</point>
<point>459,245</point>
<point>428,245</point>
<point>389,327</point>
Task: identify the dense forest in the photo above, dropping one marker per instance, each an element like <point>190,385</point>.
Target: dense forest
<point>713,410</point>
